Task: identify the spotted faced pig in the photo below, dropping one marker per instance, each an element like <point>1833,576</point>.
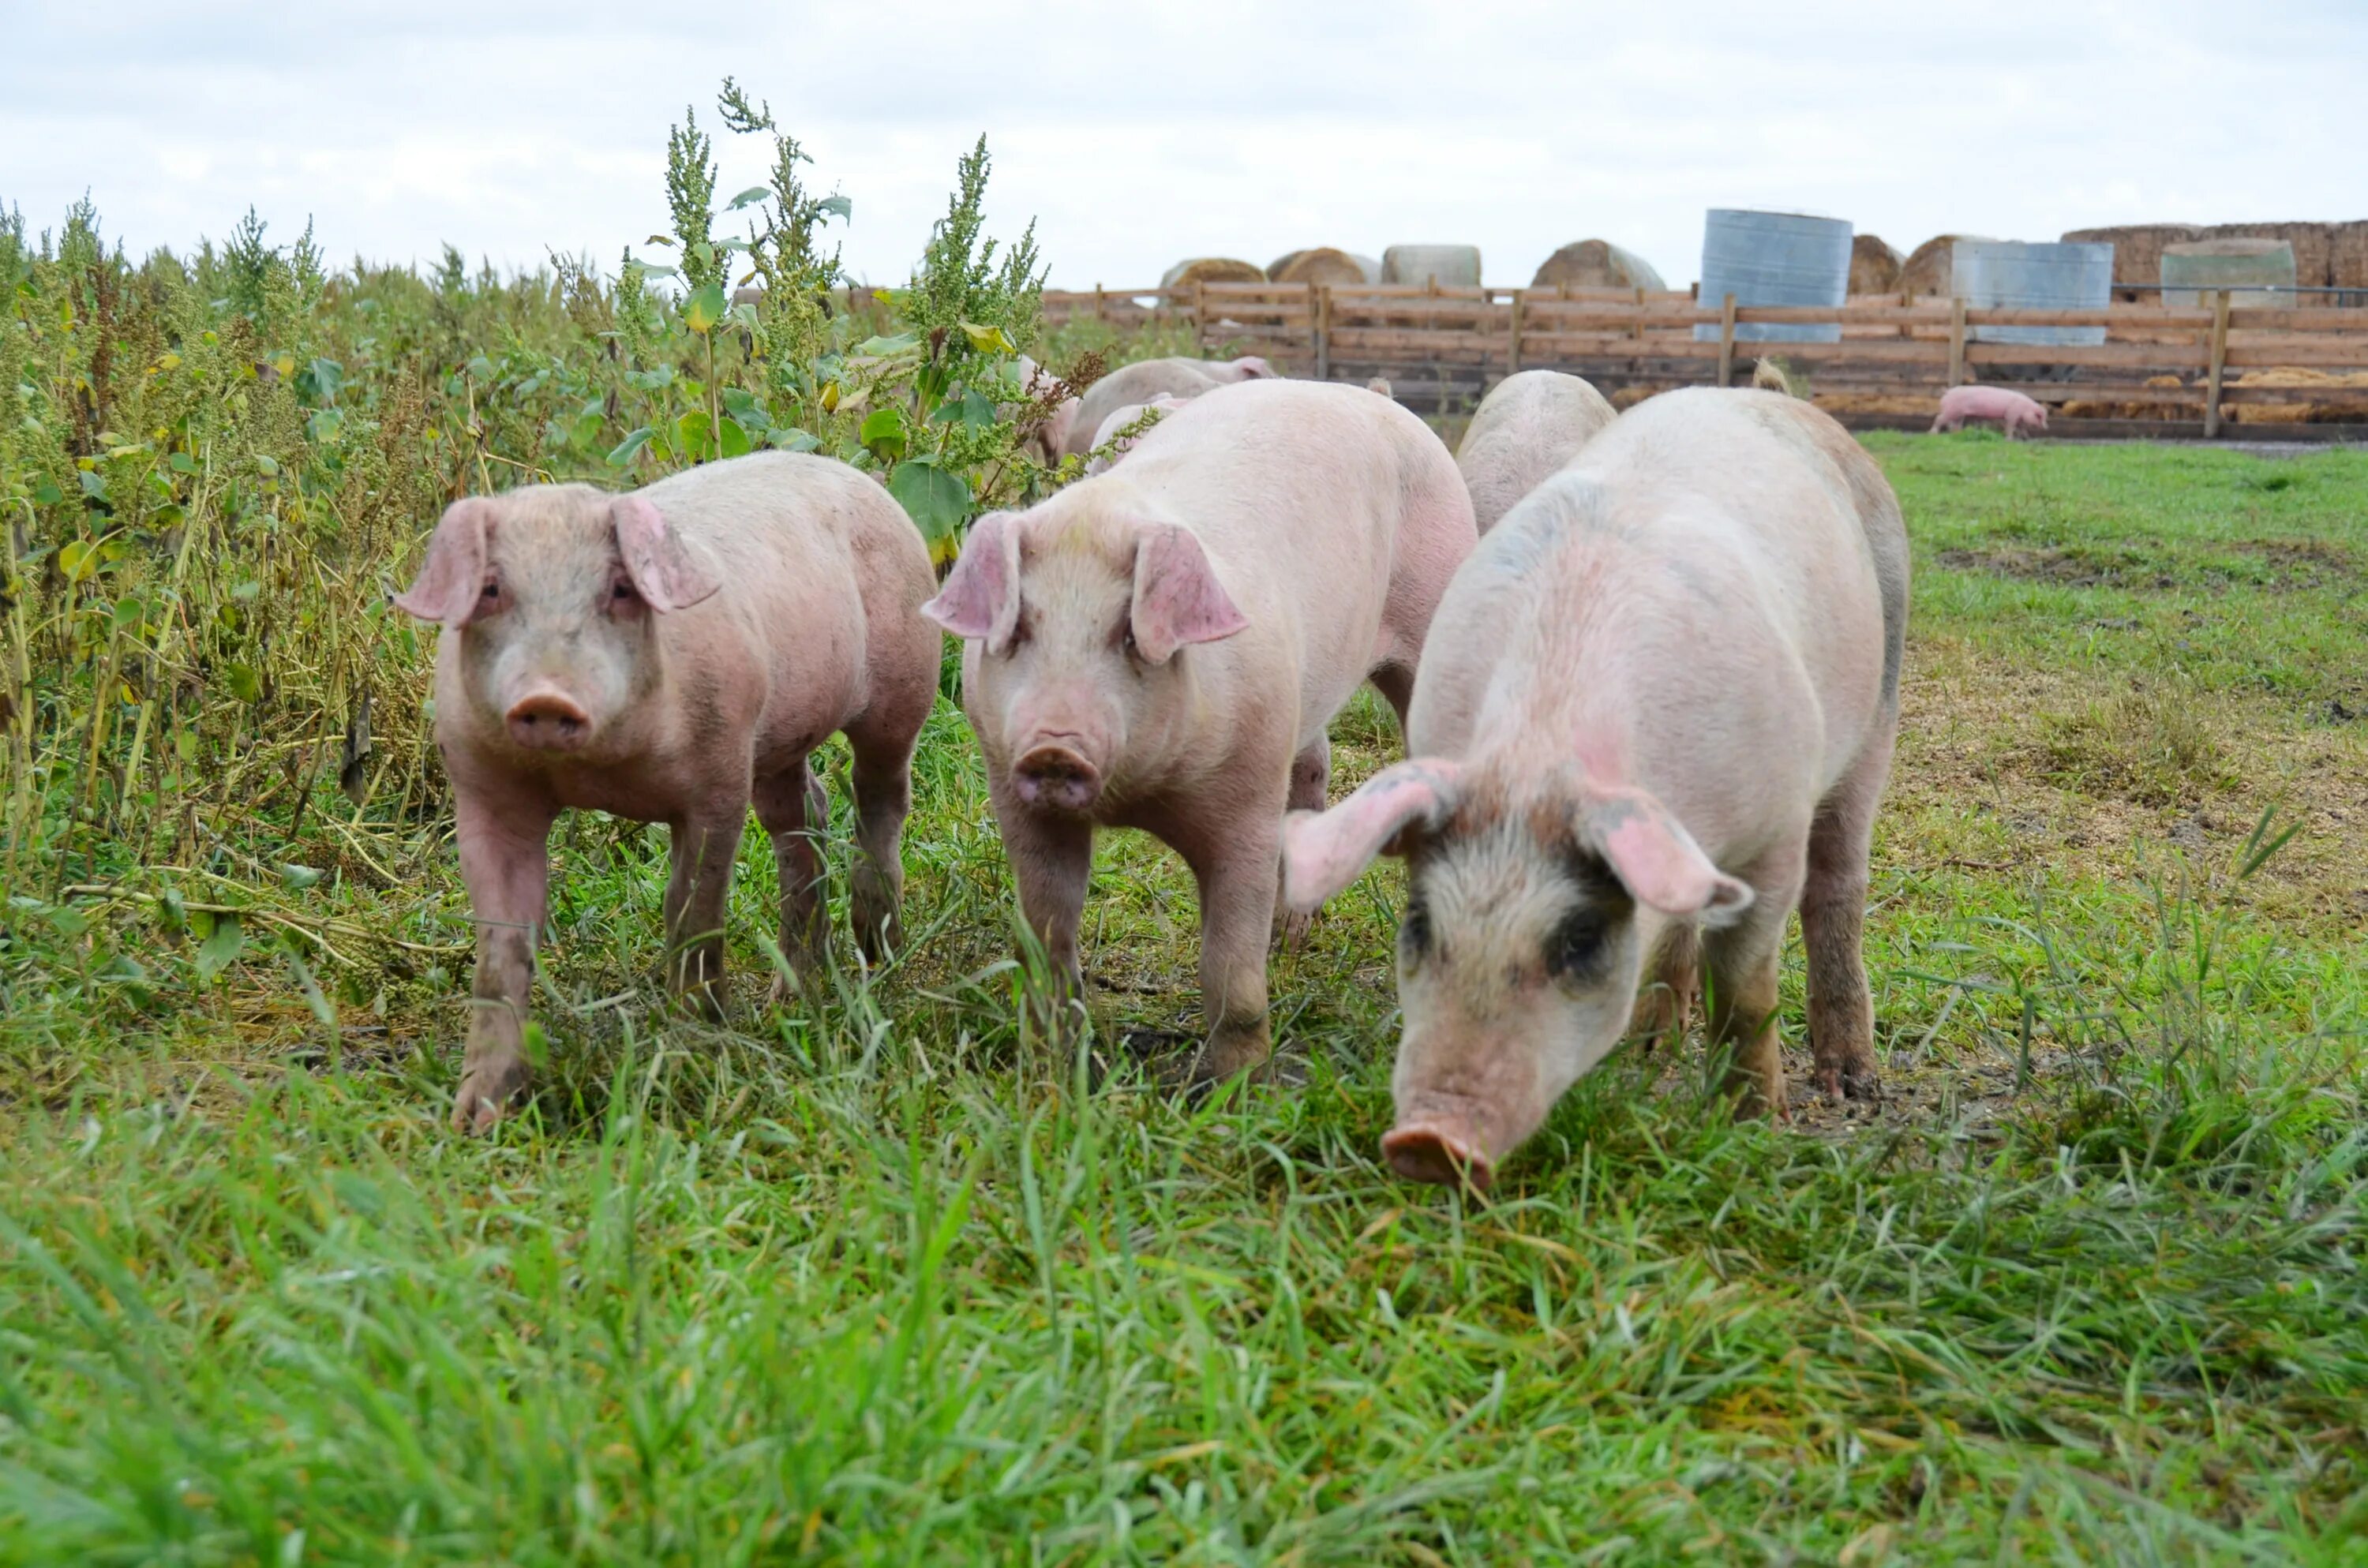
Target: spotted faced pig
<point>1161,647</point>
<point>1657,706</point>
<point>1529,424</point>
<point>1114,436</point>
<point>670,656</point>
<point>1148,379</point>
<point>2018,414</point>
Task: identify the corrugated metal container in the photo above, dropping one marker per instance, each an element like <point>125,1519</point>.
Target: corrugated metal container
<point>1775,258</point>
<point>2019,275</point>
<point>2189,271</point>
<point>1456,267</point>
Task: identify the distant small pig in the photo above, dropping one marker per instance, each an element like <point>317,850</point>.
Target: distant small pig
<point>1162,647</point>
<point>2020,414</point>
<point>1657,708</point>
<point>1113,429</point>
<point>1529,424</point>
<point>1148,379</point>
<point>668,655</point>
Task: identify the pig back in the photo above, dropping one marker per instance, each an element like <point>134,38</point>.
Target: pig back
<point>1530,425</point>
<point>1312,498</point>
<point>824,577</point>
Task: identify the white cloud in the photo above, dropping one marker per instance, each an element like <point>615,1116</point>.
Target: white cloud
<point>1139,137</point>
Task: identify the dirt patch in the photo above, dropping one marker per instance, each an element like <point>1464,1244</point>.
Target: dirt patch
<point>2300,563</point>
<point>2077,566</point>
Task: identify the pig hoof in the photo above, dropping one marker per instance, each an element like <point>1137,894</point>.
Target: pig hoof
<point>1840,1083</point>
<point>1295,927</point>
<point>484,1095</point>
<point>1428,1154</point>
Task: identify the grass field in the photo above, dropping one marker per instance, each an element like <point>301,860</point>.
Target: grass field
<point>877,1278</point>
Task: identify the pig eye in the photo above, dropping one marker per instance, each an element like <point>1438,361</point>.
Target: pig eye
<point>493,589</point>
<point>1575,951</point>
<point>623,594</point>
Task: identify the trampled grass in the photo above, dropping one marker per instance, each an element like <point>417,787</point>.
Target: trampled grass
<point>879,1278</point>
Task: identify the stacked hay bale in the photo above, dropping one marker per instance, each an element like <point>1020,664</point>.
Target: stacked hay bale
<point>1928,267</point>
<point>2301,378</point>
<point>2106,408</point>
<point>1597,263</point>
<point>1212,269</point>
<point>1321,265</point>
<point>2137,253</point>
<point>2347,261</point>
<point>1874,265</point>
<point>1451,266</point>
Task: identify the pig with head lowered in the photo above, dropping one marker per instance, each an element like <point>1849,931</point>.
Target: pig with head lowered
<point>671,655</point>
<point>1656,715</point>
<point>1113,433</point>
<point>1148,379</point>
<point>1529,424</point>
<point>1162,647</point>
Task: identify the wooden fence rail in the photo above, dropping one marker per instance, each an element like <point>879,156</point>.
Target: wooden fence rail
<point>1889,359</point>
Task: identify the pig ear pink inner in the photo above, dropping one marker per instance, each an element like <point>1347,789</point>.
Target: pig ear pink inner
<point>1178,600</point>
<point>667,570</point>
<point>453,575</point>
<point>1325,851</point>
<point>1657,861</point>
<point>981,597</point>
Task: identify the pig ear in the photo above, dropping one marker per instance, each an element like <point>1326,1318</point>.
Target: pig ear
<point>1253,366</point>
<point>667,571</point>
<point>1325,851</point>
<point>1656,859</point>
<point>1178,598</point>
<point>981,598</point>
<point>453,575</point>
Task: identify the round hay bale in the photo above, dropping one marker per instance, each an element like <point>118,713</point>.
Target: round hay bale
<point>1373,269</point>
<point>1597,263</point>
<point>1874,265</point>
<point>1451,266</point>
<point>1321,265</point>
<point>1212,269</point>
<point>1927,268</point>
<point>2137,253</point>
<point>2313,246</point>
<point>1274,269</point>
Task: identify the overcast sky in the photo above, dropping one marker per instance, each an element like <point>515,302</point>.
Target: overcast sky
<point>1138,134</point>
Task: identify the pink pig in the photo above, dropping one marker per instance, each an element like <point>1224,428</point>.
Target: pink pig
<point>1529,424</point>
<point>1148,379</point>
<point>1113,431</point>
<point>1656,709</point>
<point>667,655</point>
<point>2018,414</point>
<point>1162,647</point>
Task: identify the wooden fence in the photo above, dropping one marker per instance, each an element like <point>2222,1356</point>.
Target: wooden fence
<point>2178,369</point>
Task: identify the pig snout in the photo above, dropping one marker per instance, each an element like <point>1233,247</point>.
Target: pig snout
<point>1054,772</point>
<point>548,719</point>
<point>1439,1147</point>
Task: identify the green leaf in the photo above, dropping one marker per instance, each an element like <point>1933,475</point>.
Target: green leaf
<point>243,683</point>
<point>628,449</point>
<point>937,500</point>
<point>324,425</point>
<point>837,206</point>
<point>650,269</point>
<point>692,436</point>
<point>732,440</point>
<point>704,308</point>
<point>882,347</point>
<point>94,484</point>
<point>748,198</point>
<point>184,464</point>
<point>298,877</point>
<point>650,379</point>
<point>790,438</point>
<point>884,432</point>
<point>78,559</point>
<point>971,409</point>
<point>987,339</point>
<point>220,946</point>
<point>46,493</point>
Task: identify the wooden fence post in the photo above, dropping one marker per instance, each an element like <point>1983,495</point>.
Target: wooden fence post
<point>2219,363</point>
<point>1513,339</point>
<point>1102,306</point>
<point>1314,333</point>
<point>1201,313</point>
<point>1323,332</point>
<point>1640,312</point>
<point>1957,342</point>
<point>1726,343</point>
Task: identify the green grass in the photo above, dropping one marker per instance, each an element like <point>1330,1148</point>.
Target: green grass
<point>881,1278</point>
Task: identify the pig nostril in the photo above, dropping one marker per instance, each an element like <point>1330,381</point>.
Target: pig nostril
<point>1428,1153</point>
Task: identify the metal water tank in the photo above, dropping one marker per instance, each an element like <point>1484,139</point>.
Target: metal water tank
<point>2191,271</point>
<point>2019,275</point>
<point>1775,258</point>
<point>1455,266</point>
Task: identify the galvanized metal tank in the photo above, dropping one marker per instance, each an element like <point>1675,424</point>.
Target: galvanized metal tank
<point>1456,267</point>
<point>2248,268</point>
<point>2039,276</point>
<point>1775,258</point>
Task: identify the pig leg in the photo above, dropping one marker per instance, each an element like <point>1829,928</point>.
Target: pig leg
<point>1746,962</point>
<point>1662,1010</point>
<point>883,798</point>
<point>1239,874</point>
<point>1395,683</point>
<point>1833,921</point>
<point>1051,859</point>
<point>1311,775</point>
<point>506,861</point>
<point>703,845</point>
<point>792,809</point>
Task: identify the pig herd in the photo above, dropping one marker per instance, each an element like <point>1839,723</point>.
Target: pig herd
<point>1646,668</point>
